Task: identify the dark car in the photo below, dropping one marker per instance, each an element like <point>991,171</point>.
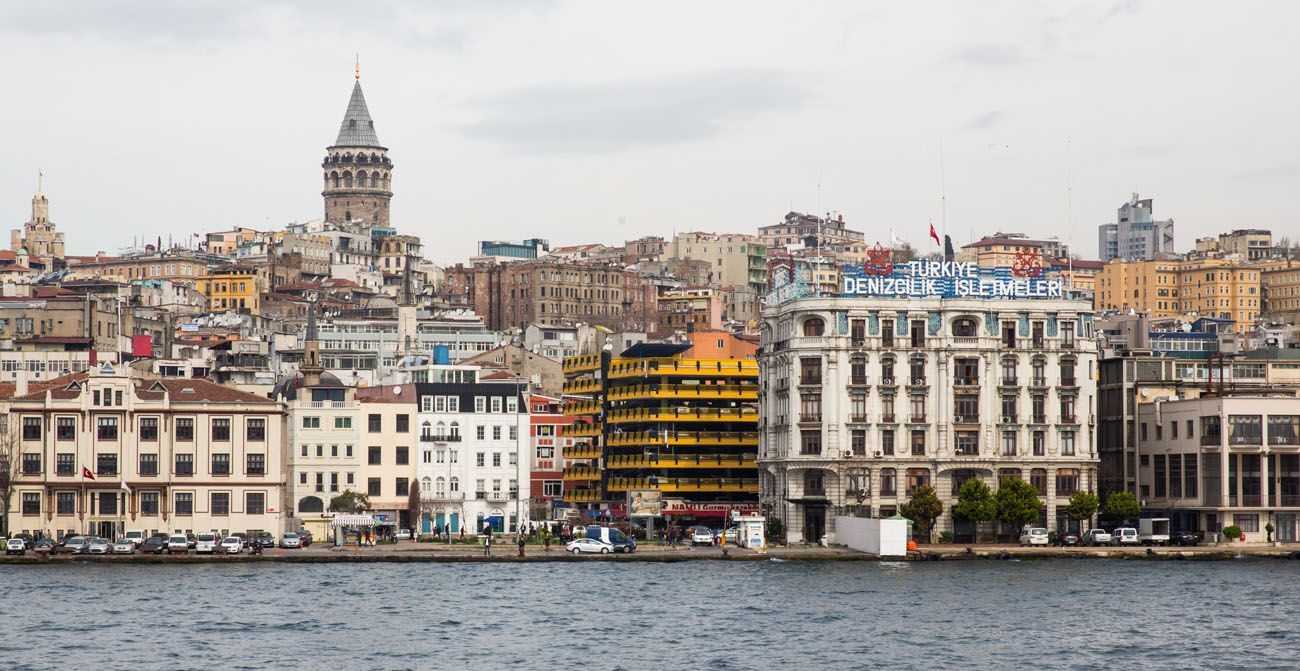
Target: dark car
<point>305,537</point>
<point>1067,540</point>
<point>265,540</point>
<point>44,546</point>
<point>154,545</point>
<point>1183,538</point>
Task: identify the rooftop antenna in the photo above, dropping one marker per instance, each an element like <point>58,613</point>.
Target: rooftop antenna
<point>943,191</point>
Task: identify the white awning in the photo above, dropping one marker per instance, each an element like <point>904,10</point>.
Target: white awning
<point>353,521</point>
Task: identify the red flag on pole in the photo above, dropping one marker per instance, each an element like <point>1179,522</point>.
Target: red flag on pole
<point>86,474</point>
<point>934,235</point>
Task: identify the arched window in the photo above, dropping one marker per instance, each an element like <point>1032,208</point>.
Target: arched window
<point>888,482</point>
<point>347,180</point>
<point>311,504</point>
<point>964,327</point>
<point>425,484</point>
<point>917,477</point>
<point>1039,365</point>
<point>440,485</point>
<point>1009,366</point>
<point>959,478</point>
<point>455,429</point>
<point>426,430</point>
<point>455,485</point>
<point>334,179</point>
<point>814,326</point>
<point>858,482</point>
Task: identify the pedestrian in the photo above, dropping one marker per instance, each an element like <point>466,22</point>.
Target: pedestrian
<point>546,540</point>
<point>521,546</point>
<point>487,540</point>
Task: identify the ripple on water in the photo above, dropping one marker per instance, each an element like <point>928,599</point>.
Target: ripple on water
<point>714,615</point>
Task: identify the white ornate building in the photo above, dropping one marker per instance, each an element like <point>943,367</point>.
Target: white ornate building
<point>864,398</point>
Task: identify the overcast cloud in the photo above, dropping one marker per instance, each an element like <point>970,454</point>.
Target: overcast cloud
<point>592,121</point>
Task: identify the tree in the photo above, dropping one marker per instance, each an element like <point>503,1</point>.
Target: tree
<point>1121,506</point>
<point>923,509</point>
<point>349,502</point>
<point>1017,502</point>
<point>975,504</point>
<point>1083,505</point>
<point>10,469</point>
<point>413,506</point>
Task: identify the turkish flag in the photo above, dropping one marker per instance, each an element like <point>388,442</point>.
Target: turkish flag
<point>86,474</point>
<point>934,235</point>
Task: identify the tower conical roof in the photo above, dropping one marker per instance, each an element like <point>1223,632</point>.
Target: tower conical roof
<point>358,129</point>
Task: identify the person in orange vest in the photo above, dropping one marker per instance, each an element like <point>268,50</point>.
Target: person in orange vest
<point>911,545</point>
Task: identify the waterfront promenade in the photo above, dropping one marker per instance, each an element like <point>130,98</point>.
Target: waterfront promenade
<point>434,552</point>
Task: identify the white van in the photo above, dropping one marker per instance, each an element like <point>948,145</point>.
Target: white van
<point>206,543</point>
<point>1124,536</point>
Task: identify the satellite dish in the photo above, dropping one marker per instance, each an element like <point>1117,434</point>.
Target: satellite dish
<point>397,390</point>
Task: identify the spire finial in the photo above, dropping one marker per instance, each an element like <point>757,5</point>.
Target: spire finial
<point>358,67</point>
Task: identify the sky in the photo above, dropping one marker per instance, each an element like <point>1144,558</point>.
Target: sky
<point>605,121</point>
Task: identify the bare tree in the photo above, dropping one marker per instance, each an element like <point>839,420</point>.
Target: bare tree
<point>10,467</point>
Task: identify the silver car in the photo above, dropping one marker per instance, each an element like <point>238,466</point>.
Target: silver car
<point>290,540</point>
<point>124,546</point>
<point>98,546</point>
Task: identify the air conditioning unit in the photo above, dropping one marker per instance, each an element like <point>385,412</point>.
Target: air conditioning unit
<point>886,380</point>
<point>958,419</point>
<point>1008,419</point>
<point>879,454</point>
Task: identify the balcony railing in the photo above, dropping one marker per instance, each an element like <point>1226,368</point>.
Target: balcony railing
<point>1039,419</point>
<point>1069,382</point>
<point>917,419</point>
<point>887,419</point>
<point>436,497</point>
<point>1238,439</point>
<point>968,381</point>
<point>1283,440</point>
<point>440,438</point>
<point>810,380</point>
<point>810,419</point>
<point>1211,439</point>
<point>858,380</point>
<point>1010,381</point>
<point>858,419</point>
<point>916,382</point>
<point>1038,382</point>
<point>1069,419</point>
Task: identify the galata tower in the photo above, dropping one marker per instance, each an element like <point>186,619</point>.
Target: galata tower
<point>357,171</point>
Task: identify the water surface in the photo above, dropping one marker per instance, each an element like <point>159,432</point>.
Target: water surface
<point>1069,614</point>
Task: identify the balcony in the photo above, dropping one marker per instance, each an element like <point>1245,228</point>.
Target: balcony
<point>810,419</point>
<point>580,495</point>
<point>888,419</point>
<point>1069,382</point>
<point>1211,440</point>
<point>582,451</point>
<point>859,380</point>
<point>737,392</point>
<point>1069,419</point>
<point>1010,382</point>
<point>581,385</point>
<point>917,382</point>
<point>967,382</point>
<point>440,497</point>
<point>1274,439</point>
<point>887,382</point>
<point>712,438</point>
<point>1038,382</point>
<point>581,364</point>
<point>858,419</point>
<point>916,419</point>
<point>965,419</point>
<point>574,407</point>
<point>1008,419</point>
<point>1238,439</point>
<point>737,485</point>
<point>581,430</point>
<point>334,404</point>
<point>682,461</point>
<point>1038,419</point>
<point>682,415</point>
<point>581,473</point>
<point>810,381</point>
<point>673,367</point>
<point>440,438</point>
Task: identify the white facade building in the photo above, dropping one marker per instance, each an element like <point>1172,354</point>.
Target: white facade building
<point>473,456</point>
<point>864,398</point>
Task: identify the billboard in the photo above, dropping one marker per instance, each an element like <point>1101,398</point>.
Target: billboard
<point>951,279</point>
<point>645,502</point>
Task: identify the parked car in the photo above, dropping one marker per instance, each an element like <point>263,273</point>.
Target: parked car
<point>123,546</point>
<point>178,544</point>
<point>154,545</point>
<point>1033,536</point>
<point>44,546</point>
<point>232,545</point>
<point>1124,536</point>
<point>588,546</point>
<point>74,545</point>
<point>1096,537</point>
<point>265,539</point>
<point>731,535</point>
<point>305,537</point>
<point>290,540</point>
<point>699,535</point>
<point>1067,540</point>
<point>615,538</point>
<point>15,546</point>
<point>403,535</point>
<point>136,537</point>
<point>1184,538</point>
<point>98,546</point>
<point>206,543</point>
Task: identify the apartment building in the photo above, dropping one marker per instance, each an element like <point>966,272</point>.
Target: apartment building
<point>1210,287</point>
<point>547,291</point>
<point>734,258</point>
<point>108,451</point>
<point>233,288</point>
<point>547,456</point>
<point>864,398</point>
<point>474,469</point>
<point>387,468</point>
<point>324,446</point>
<point>1220,460</point>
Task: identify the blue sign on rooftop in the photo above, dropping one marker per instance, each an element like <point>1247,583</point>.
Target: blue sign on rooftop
<point>941,279</point>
